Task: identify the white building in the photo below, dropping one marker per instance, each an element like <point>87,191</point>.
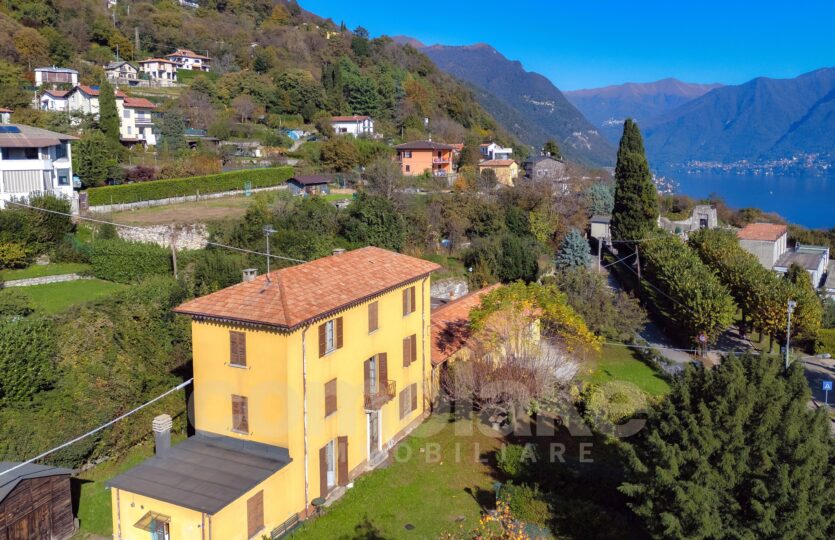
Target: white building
<point>492,150</point>
<point>136,122</point>
<point>121,72</point>
<point>85,99</point>
<point>766,241</point>
<point>34,160</point>
<point>829,284</point>
<point>813,259</point>
<point>53,100</point>
<point>190,60</point>
<point>55,75</point>
<point>159,70</point>
<point>352,125</point>
<point>5,115</point>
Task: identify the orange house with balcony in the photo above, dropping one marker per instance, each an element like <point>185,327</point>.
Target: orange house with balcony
<point>417,157</point>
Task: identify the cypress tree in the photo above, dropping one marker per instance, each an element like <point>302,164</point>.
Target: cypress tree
<point>108,114</point>
<point>735,452</point>
<point>636,200</point>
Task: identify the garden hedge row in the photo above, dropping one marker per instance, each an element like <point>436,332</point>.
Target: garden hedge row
<point>177,187</point>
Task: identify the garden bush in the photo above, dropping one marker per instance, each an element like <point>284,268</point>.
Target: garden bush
<point>177,187</point>
<point>123,262</point>
<point>527,503</point>
<point>826,341</point>
<point>608,405</point>
<point>27,348</point>
<point>12,255</point>
<point>514,459</point>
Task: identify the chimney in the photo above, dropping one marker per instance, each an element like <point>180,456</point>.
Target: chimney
<point>338,251</point>
<point>250,274</point>
<point>162,433</point>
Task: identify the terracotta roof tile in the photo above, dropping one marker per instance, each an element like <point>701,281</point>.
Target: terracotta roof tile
<point>138,103</point>
<point>451,324</point>
<point>349,118</point>
<point>310,291</point>
<point>769,232</point>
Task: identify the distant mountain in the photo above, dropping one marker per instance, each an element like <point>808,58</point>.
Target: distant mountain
<point>526,103</point>
<point>406,40</point>
<point>760,120</point>
<point>608,107</point>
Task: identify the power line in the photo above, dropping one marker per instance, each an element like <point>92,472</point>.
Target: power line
<point>648,347</point>
<point>101,427</point>
<point>648,282</point>
<point>161,234</point>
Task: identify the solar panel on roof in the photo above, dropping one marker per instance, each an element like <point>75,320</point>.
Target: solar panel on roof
<point>9,129</point>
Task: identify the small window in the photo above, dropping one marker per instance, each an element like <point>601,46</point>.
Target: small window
<point>61,151</point>
<point>373,317</point>
<point>405,403</point>
<point>237,349</point>
<point>409,350</point>
<point>63,177</point>
<point>330,397</point>
<point>407,154</point>
<point>126,113</point>
<point>408,168</point>
<point>408,300</point>
<point>330,336</point>
<point>240,414</point>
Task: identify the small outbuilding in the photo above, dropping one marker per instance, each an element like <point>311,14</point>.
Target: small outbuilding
<point>309,185</point>
<point>35,502</point>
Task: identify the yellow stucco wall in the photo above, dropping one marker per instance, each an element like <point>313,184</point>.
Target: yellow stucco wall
<point>505,175</point>
<point>273,385</point>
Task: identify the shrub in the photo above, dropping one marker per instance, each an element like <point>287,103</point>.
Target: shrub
<point>141,173</point>
<point>176,187</point>
<point>826,341</point>
<point>71,250</point>
<point>527,503</point>
<point>608,405</point>
<point>12,255</point>
<point>15,303</point>
<point>514,459</point>
<point>124,262</point>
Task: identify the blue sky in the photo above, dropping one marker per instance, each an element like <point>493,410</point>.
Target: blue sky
<point>591,43</point>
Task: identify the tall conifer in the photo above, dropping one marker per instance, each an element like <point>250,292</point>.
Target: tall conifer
<point>636,200</point>
<point>108,114</point>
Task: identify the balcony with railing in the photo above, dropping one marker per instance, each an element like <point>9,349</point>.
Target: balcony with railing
<point>374,399</point>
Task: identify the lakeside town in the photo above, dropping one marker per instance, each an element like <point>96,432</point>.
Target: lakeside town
<point>306,284</point>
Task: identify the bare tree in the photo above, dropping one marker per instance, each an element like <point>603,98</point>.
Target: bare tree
<point>244,107</point>
<point>509,366</point>
<point>383,177</point>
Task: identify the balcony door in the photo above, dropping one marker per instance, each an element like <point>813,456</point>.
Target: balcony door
<point>374,446</point>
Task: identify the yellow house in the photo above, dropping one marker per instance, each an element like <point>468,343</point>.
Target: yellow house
<point>303,380</point>
<point>507,170</point>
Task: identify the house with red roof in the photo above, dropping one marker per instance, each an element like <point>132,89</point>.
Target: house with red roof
<point>136,121</point>
<point>190,60</point>
<point>159,71</point>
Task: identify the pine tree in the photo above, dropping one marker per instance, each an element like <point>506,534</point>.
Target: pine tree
<point>574,251</point>
<point>552,149</point>
<point>735,452</point>
<point>636,200</point>
<point>108,114</point>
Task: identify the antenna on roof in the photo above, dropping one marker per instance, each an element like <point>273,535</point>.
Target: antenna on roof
<point>268,230</point>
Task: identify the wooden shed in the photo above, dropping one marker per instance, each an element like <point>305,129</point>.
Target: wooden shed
<point>35,503</point>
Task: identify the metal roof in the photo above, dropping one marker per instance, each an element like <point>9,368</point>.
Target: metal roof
<point>9,481</point>
<point>808,259</point>
<point>599,218</point>
<point>54,69</point>
<point>205,472</point>
<point>31,137</point>
<point>310,180</point>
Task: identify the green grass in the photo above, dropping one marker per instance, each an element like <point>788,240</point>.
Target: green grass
<point>433,495</point>
<point>35,271</point>
<point>620,364</point>
<point>94,509</point>
<point>330,197</point>
<point>57,297</point>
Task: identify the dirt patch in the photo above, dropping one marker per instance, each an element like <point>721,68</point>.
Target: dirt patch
<point>186,213</point>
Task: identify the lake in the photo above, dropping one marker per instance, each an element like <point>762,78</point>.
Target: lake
<point>804,200</point>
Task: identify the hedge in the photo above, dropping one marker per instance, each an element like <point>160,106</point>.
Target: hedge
<point>826,341</point>
<point>124,262</point>
<point>177,187</point>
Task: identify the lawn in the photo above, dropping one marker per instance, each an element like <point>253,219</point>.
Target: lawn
<point>431,492</point>
<point>94,509</point>
<point>57,297</point>
<point>621,364</point>
<point>35,271</point>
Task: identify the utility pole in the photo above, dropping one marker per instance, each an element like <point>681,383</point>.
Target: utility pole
<point>792,304</point>
<point>174,250</point>
<point>638,261</point>
<point>268,230</point>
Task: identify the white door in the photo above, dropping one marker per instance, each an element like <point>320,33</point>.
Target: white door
<point>331,463</point>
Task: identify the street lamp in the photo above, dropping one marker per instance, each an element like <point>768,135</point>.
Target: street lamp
<point>792,305</point>
<point>268,230</point>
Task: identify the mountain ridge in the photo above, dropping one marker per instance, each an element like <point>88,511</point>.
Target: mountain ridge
<point>531,102</point>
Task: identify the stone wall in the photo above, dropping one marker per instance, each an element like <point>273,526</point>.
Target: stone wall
<point>188,236</point>
<point>45,280</point>
<point>107,208</point>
